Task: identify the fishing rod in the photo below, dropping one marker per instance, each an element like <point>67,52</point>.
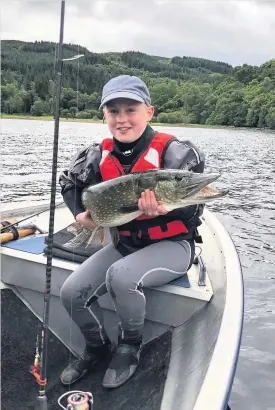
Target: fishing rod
<point>39,369</point>
<point>77,400</point>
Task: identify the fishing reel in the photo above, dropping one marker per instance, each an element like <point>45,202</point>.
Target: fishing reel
<point>77,400</point>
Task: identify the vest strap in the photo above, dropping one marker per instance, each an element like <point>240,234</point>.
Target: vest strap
<point>153,233</point>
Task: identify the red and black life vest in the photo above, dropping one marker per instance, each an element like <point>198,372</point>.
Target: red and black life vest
<point>144,226</point>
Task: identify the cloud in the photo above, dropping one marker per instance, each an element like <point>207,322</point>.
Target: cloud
<point>235,31</point>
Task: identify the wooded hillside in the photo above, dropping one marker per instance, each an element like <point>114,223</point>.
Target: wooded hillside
<point>183,89</point>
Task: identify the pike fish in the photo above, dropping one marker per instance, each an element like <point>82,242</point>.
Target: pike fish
<point>115,202</point>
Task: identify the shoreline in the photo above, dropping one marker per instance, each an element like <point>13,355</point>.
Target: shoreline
<point>158,124</point>
<point>88,120</point>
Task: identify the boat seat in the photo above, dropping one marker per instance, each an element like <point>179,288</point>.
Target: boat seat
<point>181,297</point>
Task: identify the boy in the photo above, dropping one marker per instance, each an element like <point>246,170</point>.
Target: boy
<point>147,252</point>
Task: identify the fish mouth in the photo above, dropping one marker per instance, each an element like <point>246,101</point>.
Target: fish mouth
<point>197,182</point>
<point>208,194</point>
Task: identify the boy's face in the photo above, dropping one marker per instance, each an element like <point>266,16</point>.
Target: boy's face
<point>127,119</point>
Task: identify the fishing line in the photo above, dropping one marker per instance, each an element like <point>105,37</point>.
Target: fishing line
<point>84,400</point>
<point>54,74</point>
<point>73,251</point>
<point>78,400</point>
<point>71,308</point>
<point>77,78</point>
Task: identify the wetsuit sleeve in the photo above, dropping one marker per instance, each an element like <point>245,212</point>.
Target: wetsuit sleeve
<point>82,172</point>
<point>183,155</point>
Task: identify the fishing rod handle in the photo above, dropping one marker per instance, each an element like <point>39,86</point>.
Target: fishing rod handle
<point>41,403</point>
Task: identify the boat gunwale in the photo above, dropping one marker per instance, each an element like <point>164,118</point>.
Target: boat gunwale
<point>217,384</point>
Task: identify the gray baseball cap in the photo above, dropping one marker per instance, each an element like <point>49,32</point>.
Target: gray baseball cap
<point>125,86</point>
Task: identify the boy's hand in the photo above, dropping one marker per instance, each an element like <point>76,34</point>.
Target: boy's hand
<point>149,206</point>
<point>85,220</point>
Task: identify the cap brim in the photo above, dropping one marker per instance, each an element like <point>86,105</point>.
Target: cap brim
<point>122,94</point>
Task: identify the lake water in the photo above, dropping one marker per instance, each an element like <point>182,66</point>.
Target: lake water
<point>246,159</point>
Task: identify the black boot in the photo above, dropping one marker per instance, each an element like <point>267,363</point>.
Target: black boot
<point>91,356</point>
<point>124,363</point>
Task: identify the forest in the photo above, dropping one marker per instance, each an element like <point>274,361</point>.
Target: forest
<point>184,90</point>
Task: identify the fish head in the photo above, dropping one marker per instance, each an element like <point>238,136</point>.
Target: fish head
<point>188,188</point>
<point>193,182</point>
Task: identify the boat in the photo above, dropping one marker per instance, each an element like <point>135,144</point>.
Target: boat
<point>192,331</point>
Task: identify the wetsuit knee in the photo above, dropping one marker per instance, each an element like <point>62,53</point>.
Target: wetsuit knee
<point>118,279</point>
<point>70,297</point>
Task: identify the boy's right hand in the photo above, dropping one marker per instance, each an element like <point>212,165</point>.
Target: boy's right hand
<point>85,220</point>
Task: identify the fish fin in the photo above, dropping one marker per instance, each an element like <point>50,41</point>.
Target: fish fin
<point>101,235</point>
<point>94,231</point>
<point>129,208</point>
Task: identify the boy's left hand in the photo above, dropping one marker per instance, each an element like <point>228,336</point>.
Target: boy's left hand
<point>149,206</point>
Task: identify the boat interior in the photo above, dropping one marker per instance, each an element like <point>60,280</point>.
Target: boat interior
<point>183,319</point>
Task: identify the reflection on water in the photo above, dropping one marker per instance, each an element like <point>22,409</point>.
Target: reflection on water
<point>246,160</point>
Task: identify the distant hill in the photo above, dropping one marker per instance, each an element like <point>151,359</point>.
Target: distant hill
<point>30,60</point>
<point>184,89</point>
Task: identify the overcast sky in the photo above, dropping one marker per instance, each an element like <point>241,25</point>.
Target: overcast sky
<point>234,31</point>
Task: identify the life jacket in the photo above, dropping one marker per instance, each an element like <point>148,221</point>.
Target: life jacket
<point>144,226</point>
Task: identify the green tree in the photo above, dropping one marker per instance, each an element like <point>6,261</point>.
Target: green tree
<point>270,118</point>
<point>73,111</point>
<point>39,108</point>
